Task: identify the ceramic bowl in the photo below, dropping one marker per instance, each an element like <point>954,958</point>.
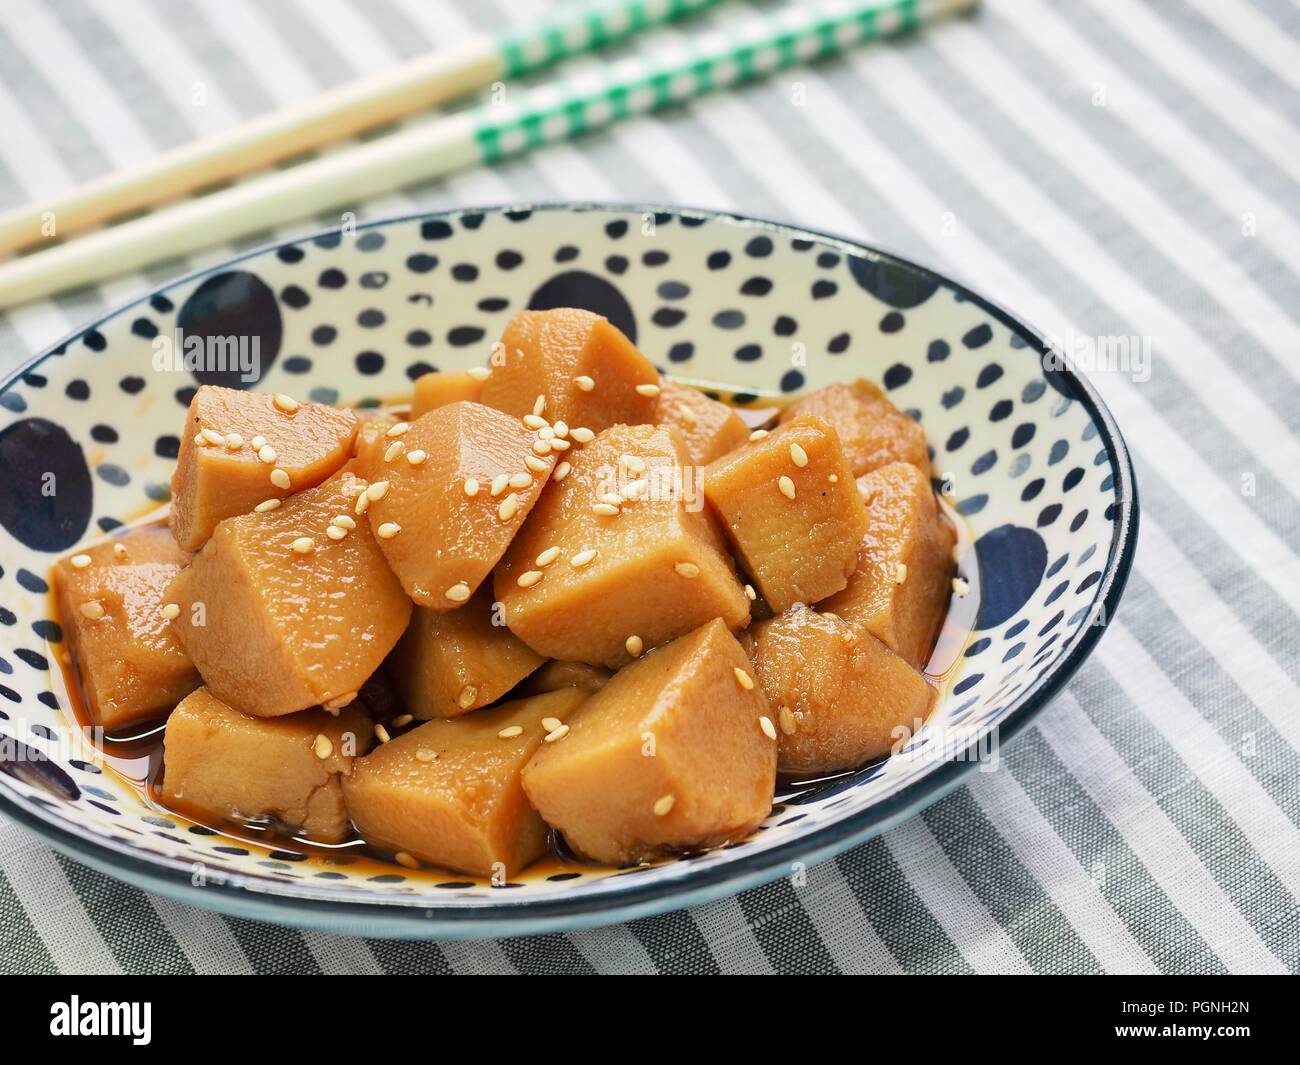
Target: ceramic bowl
<point>1030,459</point>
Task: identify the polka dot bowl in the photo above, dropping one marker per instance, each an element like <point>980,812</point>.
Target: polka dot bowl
<point>1028,456</point>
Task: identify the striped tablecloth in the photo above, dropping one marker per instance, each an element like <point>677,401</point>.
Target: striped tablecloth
<point>1115,167</point>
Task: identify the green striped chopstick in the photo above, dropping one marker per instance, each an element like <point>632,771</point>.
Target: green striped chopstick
<point>482,135</point>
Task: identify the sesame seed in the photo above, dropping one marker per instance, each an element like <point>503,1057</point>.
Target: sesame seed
<point>377,491</point>
<point>508,508</point>
<point>547,557</point>
<point>387,530</point>
<point>323,747</point>
<point>527,580</point>
<point>961,587</point>
<point>381,733</point>
<point>304,545</point>
<point>279,478</point>
<point>545,433</point>
<point>343,521</point>
<point>541,447</point>
<point>213,437</point>
<point>499,484</point>
<point>234,441</point>
<point>758,434</point>
<point>634,490</point>
<point>334,532</point>
<point>584,382</point>
<point>663,805</point>
<point>79,561</point>
<point>467,695</point>
<point>769,729</point>
<point>606,510</point>
<point>532,421</point>
<point>539,405</point>
<point>634,645</point>
<point>834,478</point>
<point>562,471</point>
<point>535,464</point>
<point>559,445</point>
<point>458,592</point>
<point>686,414</point>
<point>394,450</point>
<point>787,719</point>
<point>361,505</point>
<point>92,610</point>
<point>582,435</point>
<point>521,480</point>
<point>750,594</point>
<point>743,679</point>
<point>510,732</point>
<point>285,403</point>
<point>479,373</point>
<point>647,390</point>
<point>171,611</point>
<point>416,457</point>
<point>787,487</point>
<point>404,859</point>
<point>400,429</point>
<point>199,441</point>
<point>258,442</point>
<point>612,498</point>
<point>798,456</point>
<point>634,463</point>
<point>556,734</point>
<point>582,558</point>
<point>402,720</point>
<point>266,504</point>
<point>561,429</point>
<point>266,453</point>
<point>471,486</point>
<point>900,572</point>
<point>689,570</point>
<point>424,754</point>
<point>550,724</point>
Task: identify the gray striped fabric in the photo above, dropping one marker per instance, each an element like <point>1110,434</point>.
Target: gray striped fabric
<point>1114,166</point>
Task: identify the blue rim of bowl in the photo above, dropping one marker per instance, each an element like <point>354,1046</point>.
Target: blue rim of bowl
<point>418,917</point>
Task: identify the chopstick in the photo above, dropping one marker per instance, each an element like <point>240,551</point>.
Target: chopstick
<point>364,104</point>
<point>708,62</point>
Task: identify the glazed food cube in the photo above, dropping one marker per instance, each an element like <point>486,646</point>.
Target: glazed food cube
<point>441,387</point>
<point>838,694</point>
<point>131,665</point>
<point>620,556</point>
<point>900,588</point>
<point>872,431</point>
<point>449,496</point>
<point>448,793</point>
<point>240,448</point>
<point>708,429</point>
<point>555,675</point>
<point>219,763</point>
<point>587,371</point>
<point>449,664</point>
<point>677,752</point>
<point>280,614</point>
<point>792,510</point>
<point>372,440</point>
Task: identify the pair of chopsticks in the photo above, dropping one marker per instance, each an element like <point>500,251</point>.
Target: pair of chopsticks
<point>484,134</point>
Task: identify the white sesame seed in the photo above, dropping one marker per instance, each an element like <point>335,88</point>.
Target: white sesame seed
<point>787,719</point>
<point>361,505</point>
<point>539,405</point>
<point>285,403</point>
<point>387,530</point>
<point>510,732</point>
<point>648,390</point>
<point>521,480</point>
<point>545,433</point>
<point>634,463</point>
<point>508,508</point>
<point>686,414</point>
<point>900,572</point>
<point>547,557</point>
<point>334,532</point>
<point>479,373</point>
<point>769,729</point>
<point>471,486</point>
<point>663,805</point>
<point>402,720</point>
<point>500,483</point>
<point>79,561</point>
<point>561,429</point>
<point>213,437</point>
<point>961,587</point>
<point>559,445</point>
<point>612,498</point>
<point>424,754</point>
<point>394,450</point>
<point>258,442</point>
<point>634,645</point>
<point>758,434</point>
<point>798,456</point>
<point>562,471</point>
<point>171,611</point>
<point>416,457</point>
<point>582,558</point>
<point>834,478</point>
<point>689,570</point>
<point>458,592</point>
<point>343,521</point>
<point>406,860</point>
<point>119,550</point>
<point>550,724</point>
<point>199,441</point>
<point>532,421</point>
<point>234,441</point>
<point>400,429</point>
<point>467,696</point>
<point>787,487</point>
<point>634,490</point>
<point>279,478</point>
<point>541,447</point>
<point>556,734</point>
<point>266,453</point>
<point>750,594</point>
<point>527,580</point>
<point>323,747</point>
<point>375,492</point>
<point>582,435</point>
<point>606,510</point>
<point>93,610</point>
<point>536,464</point>
<point>304,545</point>
<point>267,504</point>
<point>381,733</point>
<point>743,678</point>
<point>584,382</point>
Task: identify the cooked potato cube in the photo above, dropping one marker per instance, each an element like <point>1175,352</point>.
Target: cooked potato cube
<point>585,576</point>
<point>555,675</point>
<point>709,429</point>
<point>441,387</point>
<point>448,793</point>
<point>279,614</point>
<point>587,371</point>
<point>837,693</point>
<point>674,753</point>
<point>872,431</point>
<point>131,665</point>
<point>449,496</point>
<point>240,448</point>
<point>900,588</point>
<point>449,664</point>
<point>790,506</point>
<point>222,764</point>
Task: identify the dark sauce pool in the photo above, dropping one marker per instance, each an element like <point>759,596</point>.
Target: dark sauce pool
<point>135,756</point>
